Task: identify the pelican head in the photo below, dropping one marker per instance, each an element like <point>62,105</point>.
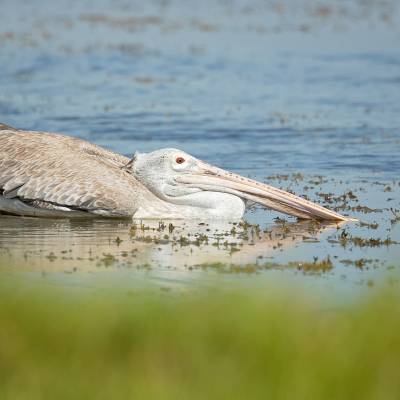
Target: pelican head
<point>196,189</point>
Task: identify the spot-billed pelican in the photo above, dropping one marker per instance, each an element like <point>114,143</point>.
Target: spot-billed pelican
<point>47,175</point>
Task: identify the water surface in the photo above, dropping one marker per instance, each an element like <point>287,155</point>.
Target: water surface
<point>302,95</point>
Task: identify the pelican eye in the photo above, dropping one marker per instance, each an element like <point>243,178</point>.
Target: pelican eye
<point>179,160</point>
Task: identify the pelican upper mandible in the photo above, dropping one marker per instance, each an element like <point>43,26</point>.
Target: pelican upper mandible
<point>49,175</point>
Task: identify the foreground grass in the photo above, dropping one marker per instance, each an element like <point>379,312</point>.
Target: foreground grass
<point>197,347</point>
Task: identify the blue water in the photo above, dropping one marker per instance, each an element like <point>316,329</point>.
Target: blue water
<point>261,88</point>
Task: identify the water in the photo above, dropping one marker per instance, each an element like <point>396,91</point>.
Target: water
<point>260,88</point>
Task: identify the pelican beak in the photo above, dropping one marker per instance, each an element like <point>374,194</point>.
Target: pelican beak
<point>211,178</point>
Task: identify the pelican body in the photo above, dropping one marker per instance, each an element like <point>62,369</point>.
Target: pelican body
<point>45,174</point>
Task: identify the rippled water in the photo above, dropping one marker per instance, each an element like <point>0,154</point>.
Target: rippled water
<point>261,88</point>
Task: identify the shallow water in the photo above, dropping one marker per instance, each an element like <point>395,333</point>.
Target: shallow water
<point>285,92</point>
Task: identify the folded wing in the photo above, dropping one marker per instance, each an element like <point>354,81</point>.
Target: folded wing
<point>52,172</point>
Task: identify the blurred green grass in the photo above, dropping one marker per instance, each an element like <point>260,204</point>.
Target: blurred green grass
<point>197,346</point>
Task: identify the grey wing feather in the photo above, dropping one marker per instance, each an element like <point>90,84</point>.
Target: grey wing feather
<point>47,169</point>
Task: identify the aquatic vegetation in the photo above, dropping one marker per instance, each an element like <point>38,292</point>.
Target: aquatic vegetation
<point>51,256</point>
<point>118,240</point>
<point>345,239</point>
<point>396,215</point>
<point>365,209</point>
<point>370,226</point>
<point>325,265</point>
<point>360,263</point>
<point>108,260</point>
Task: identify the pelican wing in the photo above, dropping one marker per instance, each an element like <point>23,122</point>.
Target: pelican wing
<point>55,172</point>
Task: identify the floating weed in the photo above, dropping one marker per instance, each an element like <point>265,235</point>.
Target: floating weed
<point>396,215</point>
<point>51,257</point>
<point>345,239</point>
<point>316,266</point>
<point>244,225</point>
<point>183,241</point>
<point>369,226</point>
<point>161,226</point>
<point>328,197</point>
<point>108,260</point>
<point>360,263</point>
<point>317,180</point>
<point>201,239</point>
<point>297,176</point>
<point>371,242</point>
<point>343,198</point>
<point>389,242</point>
<point>278,177</point>
<point>365,209</point>
<point>324,265</point>
<point>118,240</point>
